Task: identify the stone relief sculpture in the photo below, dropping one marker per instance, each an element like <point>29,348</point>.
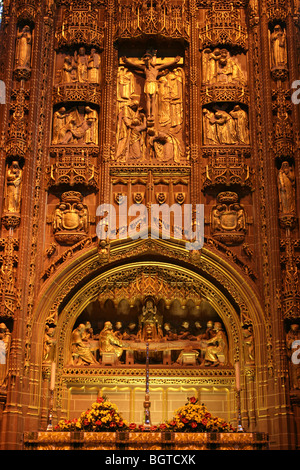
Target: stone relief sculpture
<point>23,48</point>
<point>278,46</point>
<point>75,126</point>
<point>70,219</point>
<point>49,344</point>
<point>13,188</point>
<point>226,128</point>
<point>174,344</point>
<point>286,190</point>
<point>219,67</point>
<point>80,67</point>
<point>81,353</point>
<point>150,109</point>
<point>228,219</point>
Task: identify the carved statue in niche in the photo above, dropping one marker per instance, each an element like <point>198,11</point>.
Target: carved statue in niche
<point>157,131</point>
<point>49,344</point>
<point>278,44</point>
<point>70,221</point>
<point>292,336</point>
<point>248,342</point>
<point>228,220</point>
<point>13,188</point>
<point>217,348</point>
<point>219,67</point>
<point>82,63</point>
<point>5,341</point>
<point>226,128</point>
<point>150,323</point>
<point>81,353</point>
<point>75,126</point>
<point>23,48</point>
<point>68,71</point>
<point>286,190</point>
<point>109,342</point>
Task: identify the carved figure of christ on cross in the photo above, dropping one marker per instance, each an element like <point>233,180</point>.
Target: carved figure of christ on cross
<point>152,71</point>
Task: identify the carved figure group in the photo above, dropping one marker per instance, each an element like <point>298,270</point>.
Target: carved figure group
<point>81,68</point>
<point>226,128</point>
<point>220,67</point>
<point>5,342</point>
<point>210,347</point>
<point>75,126</point>
<point>150,122</point>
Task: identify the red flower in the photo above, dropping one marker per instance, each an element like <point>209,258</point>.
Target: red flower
<point>184,420</point>
<point>204,421</point>
<point>173,423</point>
<point>193,424</point>
<point>132,426</point>
<point>100,400</point>
<point>112,425</point>
<point>120,424</point>
<point>153,428</point>
<point>98,422</point>
<point>86,422</point>
<point>193,400</point>
<point>162,426</point>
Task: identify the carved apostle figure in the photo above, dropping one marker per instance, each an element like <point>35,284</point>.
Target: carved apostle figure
<point>278,47</point>
<point>248,342</point>
<point>80,351</point>
<point>109,342</point>
<point>286,188</point>
<point>91,117</point>
<point>49,344</point>
<point>13,188</point>
<point>23,48</point>
<point>67,75</point>
<point>226,130</point>
<point>217,348</point>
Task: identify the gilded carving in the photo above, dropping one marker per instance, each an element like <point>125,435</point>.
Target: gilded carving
<point>220,67</point>
<point>77,125</point>
<point>23,48</point>
<point>292,336</point>
<point>70,219</point>
<point>278,46</point>
<point>222,127</point>
<point>150,119</point>
<point>5,342</point>
<point>228,219</point>
<point>287,195</point>
<point>13,188</point>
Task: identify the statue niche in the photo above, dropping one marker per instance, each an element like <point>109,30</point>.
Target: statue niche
<point>79,67</point>
<point>278,48</point>
<point>150,109</point>
<point>70,220</point>
<point>220,68</point>
<point>23,52</point>
<point>229,127</point>
<point>228,219</point>
<point>76,126</point>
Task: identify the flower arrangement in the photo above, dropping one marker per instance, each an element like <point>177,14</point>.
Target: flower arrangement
<point>193,417</point>
<point>103,416</point>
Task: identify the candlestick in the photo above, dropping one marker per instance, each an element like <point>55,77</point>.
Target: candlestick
<point>52,377</point>
<point>147,404</point>
<point>237,376</point>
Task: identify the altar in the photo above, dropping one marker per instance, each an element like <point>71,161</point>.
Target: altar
<point>144,441</point>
